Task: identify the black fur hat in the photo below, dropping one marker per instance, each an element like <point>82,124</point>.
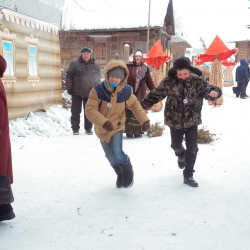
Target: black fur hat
<point>183,63</point>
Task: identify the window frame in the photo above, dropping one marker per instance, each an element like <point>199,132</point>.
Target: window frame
<point>102,49</point>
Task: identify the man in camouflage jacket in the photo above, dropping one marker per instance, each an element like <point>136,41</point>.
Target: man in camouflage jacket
<point>185,93</point>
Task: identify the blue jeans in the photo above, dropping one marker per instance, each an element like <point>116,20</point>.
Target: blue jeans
<point>113,150</point>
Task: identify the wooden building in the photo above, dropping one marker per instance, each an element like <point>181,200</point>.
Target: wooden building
<point>178,47</point>
<point>244,50</point>
<point>31,49</point>
<point>109,33</point>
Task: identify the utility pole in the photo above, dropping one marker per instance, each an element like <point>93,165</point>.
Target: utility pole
<point>148,25</point>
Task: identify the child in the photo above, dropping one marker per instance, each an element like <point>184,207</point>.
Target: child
<point>106,110</point>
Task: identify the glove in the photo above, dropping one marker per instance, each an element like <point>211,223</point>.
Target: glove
<point>108,126</point>
<point>145,126</point>
<point>70,91</point>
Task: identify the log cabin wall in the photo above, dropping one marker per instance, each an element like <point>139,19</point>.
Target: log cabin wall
<point>31,49</point>
<point>106,43</point>
<point>244,50</point>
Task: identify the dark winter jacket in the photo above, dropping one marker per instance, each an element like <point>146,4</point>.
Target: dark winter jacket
<point>5,147</point>
<point>177,114</point>
<point>146,82</point>
<point>82,76</point>
<point>242,75</point>
<point>96,108</point>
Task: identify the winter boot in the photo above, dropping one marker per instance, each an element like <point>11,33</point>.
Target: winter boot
<point>129,135</point>
<point>181,160</point>
<point>118,171</point>
<point>127,174</point>
<point>190,182</point>
<point>6,212</point>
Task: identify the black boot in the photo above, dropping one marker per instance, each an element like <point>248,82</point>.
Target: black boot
<point>127,174</point>
<point>181,160</point>
<point>6,212</point>
<point>118,171</point>
<point>129,135</point>
<point>190,182</point>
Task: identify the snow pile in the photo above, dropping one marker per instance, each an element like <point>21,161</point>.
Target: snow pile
<point>53,122</point>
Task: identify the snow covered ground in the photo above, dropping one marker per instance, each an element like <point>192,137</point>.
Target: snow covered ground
<point>65,195</point>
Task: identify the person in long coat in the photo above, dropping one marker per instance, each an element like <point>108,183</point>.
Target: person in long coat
<point>6,210</point>
<point>139,79</point>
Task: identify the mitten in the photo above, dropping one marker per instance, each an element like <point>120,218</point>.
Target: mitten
<point>70,91</point>
<point>108,126</point>
<point>145,126</point>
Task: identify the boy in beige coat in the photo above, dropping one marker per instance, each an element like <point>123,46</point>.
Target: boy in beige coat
<point>106,110</point>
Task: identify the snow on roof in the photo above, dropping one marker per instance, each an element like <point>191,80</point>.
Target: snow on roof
<point>108,14</point>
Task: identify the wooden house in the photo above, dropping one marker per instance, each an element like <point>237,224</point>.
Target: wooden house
<point>178,47</point>
<point>108,30</point>
<point>244,50</point>
<point>31,49</point>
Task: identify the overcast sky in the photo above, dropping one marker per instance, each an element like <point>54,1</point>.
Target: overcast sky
<point>206,19</point>
<point>197,18</point>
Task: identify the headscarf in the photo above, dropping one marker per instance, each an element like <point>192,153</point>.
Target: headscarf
<point>139,70</point>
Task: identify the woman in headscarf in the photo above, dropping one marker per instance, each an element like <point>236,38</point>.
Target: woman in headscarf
<point>139,79</point>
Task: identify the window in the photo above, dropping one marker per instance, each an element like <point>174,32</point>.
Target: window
<point>32,65</point>
<point>32,60</point>
<point>101,51</point>
<point>8,56</point>
<point>7,44</point>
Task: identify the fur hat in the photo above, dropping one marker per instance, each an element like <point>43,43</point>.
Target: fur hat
<point>117,72</point>
<point>183,63</point>
<point>85,49</point>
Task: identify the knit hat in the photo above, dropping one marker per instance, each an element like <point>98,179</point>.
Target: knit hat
<point>183,63</point>
<point>85,49</point>
<point>117,72</point>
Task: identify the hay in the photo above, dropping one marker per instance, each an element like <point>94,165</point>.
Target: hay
<point>204,136</point>
<point>155,130</point>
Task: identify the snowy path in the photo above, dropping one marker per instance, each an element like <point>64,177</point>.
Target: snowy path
<point>65,195</point>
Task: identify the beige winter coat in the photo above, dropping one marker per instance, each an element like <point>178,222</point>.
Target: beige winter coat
<point>96,108</point>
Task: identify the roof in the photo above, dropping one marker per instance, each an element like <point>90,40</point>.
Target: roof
<point>178,39</point>
<point>110,14</point>
<point>28,21</point>
<point>36,9</point>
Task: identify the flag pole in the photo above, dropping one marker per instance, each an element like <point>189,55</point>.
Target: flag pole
<point>148,25</point>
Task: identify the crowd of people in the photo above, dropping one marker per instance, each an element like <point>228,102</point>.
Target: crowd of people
<point>119,104</point>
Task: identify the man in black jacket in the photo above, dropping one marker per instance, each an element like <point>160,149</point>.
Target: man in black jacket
<point>242,78</point>
<point>83,74</point>
<point>248,63</point>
